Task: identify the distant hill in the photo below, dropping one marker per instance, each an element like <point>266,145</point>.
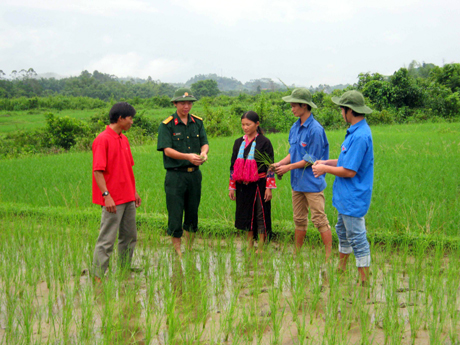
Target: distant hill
<point>50,75</point>
<point>104,86</point>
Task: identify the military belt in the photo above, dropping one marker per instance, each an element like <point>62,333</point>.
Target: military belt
<point>185,169</point>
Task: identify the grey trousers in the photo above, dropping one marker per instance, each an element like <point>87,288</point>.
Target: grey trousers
<point>125,221</point>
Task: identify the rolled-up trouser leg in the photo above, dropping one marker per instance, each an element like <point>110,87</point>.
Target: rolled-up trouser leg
<point>352,237</point>
<point>127,235</point>
<point>300,210</point>
<point>317,204</point>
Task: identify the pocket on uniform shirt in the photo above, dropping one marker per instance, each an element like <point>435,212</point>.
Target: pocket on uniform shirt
<point>178,141</point>
<point>194,135</point>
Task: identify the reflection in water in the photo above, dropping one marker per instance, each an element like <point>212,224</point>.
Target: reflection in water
<point>218,292</point>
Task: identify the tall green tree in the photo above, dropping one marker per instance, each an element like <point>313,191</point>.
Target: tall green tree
<point>205,88</point>
<point>448,75</point>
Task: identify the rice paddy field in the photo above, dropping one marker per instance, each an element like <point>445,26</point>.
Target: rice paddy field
<point>219,293</point>
<point>11,121</point>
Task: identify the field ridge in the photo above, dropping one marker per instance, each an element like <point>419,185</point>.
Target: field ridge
<point>157,222</point>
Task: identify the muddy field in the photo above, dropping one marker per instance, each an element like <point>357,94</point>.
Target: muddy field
<point>220,293</point>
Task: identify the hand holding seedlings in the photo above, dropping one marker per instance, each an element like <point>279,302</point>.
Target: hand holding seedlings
<point>204,157</point>
<point>280,170</point>
<point>195,159</point>
<point>318,168</point>
<point>265,159</point>
<point>272,167</point>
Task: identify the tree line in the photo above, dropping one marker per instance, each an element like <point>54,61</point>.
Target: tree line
<point>421,92</point>
<point>26,83</point>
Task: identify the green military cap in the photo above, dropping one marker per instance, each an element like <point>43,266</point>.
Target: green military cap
<point>300,95</point>
<point>183,94</point>
<point>354,100</point>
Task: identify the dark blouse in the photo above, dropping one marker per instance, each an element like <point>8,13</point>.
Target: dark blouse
<point>263,146</point>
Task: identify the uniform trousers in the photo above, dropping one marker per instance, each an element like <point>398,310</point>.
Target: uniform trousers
<point>183,195</point>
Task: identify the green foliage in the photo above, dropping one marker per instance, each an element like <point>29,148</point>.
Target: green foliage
<point>205,88</point>
<point>278,119</point>
<point>407,96</point>
<point>63,131</point>
<point>329,118</point>
<point>223,83</point>
<point>365,78</point>
<point>141,121</point>
<point>99,120</point>
<point>238,109</point>
<point>420,70</point>
<point>404,91</point>
<point>262,107</point>
<point>50,102</point>
<point>96,85</point>
<point>218,122</point>
<point>379,93</point>
<point>448,75</point>
<point>380,117</point>
<point>440,101</point>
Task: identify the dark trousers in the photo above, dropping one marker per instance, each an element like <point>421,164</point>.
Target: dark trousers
<point>183,194</point>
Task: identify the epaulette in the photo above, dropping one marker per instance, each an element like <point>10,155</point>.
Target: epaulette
<point>197,117</point>
<point>168,120</point>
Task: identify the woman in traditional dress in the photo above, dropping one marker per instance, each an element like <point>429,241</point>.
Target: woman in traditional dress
<point>251,183</point>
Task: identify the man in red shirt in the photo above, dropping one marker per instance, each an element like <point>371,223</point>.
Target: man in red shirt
<point>114,189</point>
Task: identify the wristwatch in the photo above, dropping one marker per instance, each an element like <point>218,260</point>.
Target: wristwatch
<point>106,193</point>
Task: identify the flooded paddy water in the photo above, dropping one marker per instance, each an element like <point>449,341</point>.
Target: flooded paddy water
<point>220,293</point>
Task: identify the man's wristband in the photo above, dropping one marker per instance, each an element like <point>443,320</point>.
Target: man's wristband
<point>106,193</point>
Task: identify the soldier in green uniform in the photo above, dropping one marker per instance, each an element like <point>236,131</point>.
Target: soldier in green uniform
<point>182,138</point>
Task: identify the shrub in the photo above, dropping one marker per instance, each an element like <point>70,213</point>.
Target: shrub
<point>380,117</point>
<point>219,122</point>
<point>150,127</point>
<point>278,120</point>
<point>238,109</point>
<point>63,131</point>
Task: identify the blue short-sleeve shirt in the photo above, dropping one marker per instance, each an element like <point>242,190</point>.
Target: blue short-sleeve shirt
<point>352,196</point>
<point>307,142</point>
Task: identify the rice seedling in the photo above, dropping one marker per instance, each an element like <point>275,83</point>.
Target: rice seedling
<point>218,292</point>
<point>277,314</point>
<point>414,203</point>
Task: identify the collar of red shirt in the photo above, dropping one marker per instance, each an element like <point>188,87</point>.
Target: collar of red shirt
<point>112,133</point>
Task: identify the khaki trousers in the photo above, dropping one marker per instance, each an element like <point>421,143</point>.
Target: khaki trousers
<point>124,221</point>
<point>301,202</point>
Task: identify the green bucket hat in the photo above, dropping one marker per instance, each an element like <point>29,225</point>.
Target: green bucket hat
<point>300,95</point>
<point>183,94</point>
<point>354,100</point>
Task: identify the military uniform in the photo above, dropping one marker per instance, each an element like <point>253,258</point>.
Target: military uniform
<point>183,179</point>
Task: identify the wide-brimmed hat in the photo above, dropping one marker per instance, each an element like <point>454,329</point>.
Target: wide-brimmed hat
<point>300,95</point>
<point>183,94</point>
<point>354,100</point>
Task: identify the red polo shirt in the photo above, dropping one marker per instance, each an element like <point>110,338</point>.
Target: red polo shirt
<point>112,155</point>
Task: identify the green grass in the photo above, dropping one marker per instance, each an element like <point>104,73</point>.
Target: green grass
<point>220,293</point>
<point>11,121</point>
<point>416,186</point>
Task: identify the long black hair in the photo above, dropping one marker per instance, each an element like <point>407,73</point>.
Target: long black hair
<point>252,116</point>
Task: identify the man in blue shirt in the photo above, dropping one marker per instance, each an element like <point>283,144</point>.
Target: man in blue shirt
<point>308,143</point>
<point>352,190</point>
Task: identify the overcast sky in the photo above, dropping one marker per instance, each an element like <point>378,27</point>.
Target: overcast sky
<point>302,42</point>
